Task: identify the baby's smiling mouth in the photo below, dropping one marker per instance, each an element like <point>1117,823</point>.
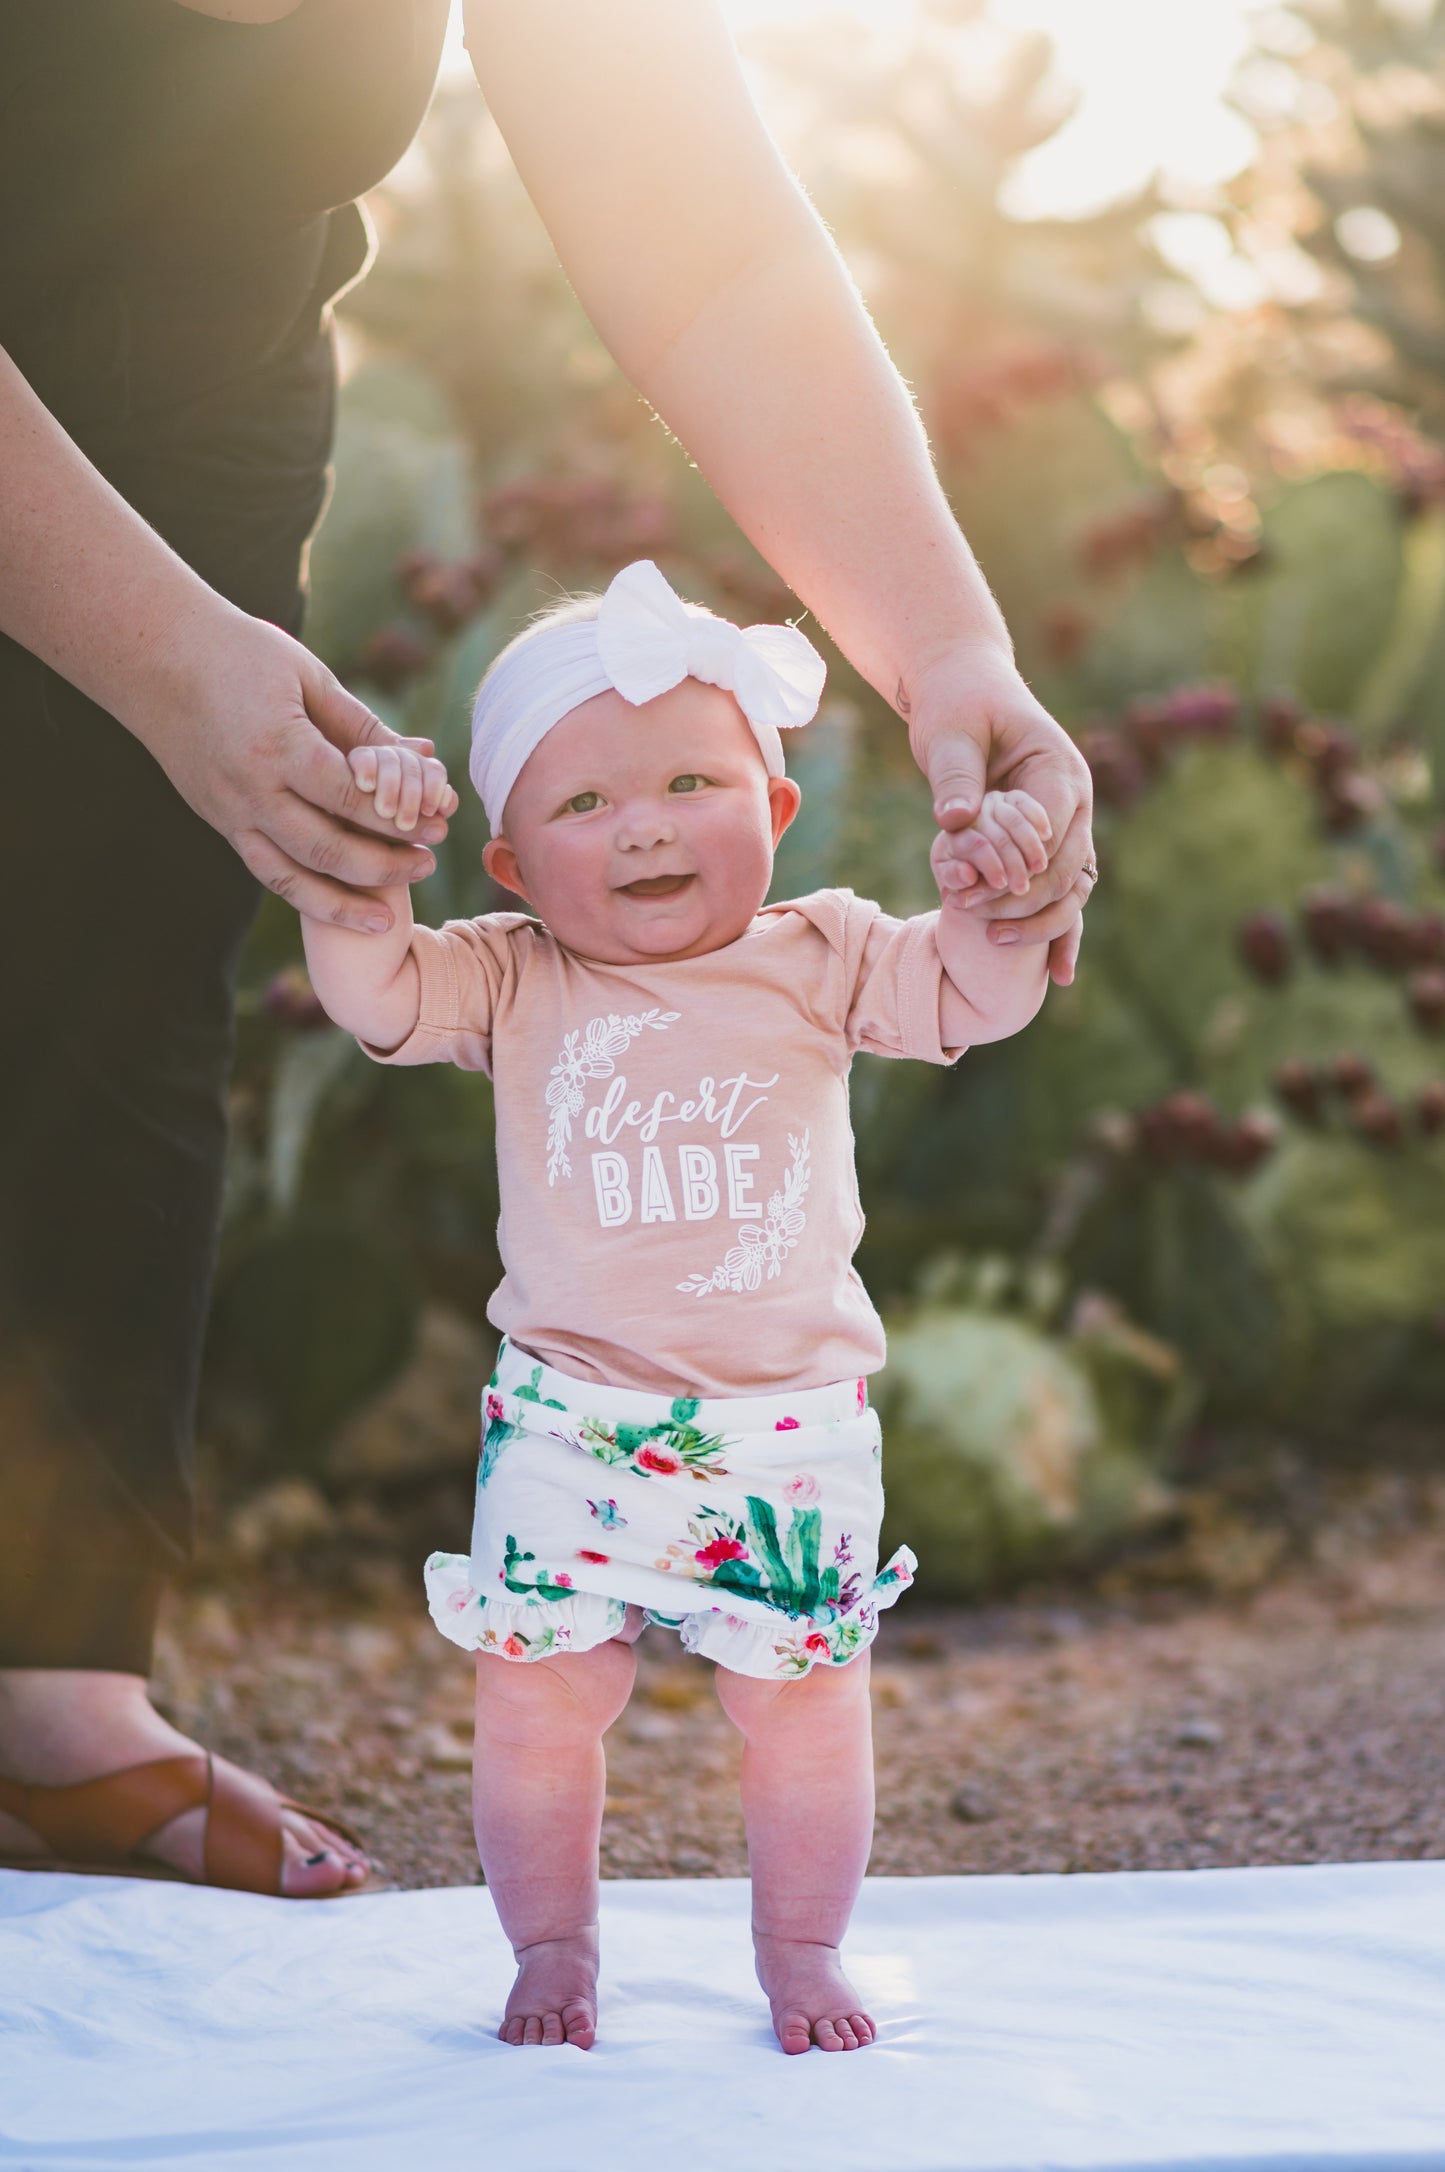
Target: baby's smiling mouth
<point>656,886</point>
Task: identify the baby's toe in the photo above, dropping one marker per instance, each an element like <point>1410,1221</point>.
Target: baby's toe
<point>795,2032</point>
<point>863,2027</point>
<point>579,2024</point>
<point>511,2030</point>
<point>552,2030</point>
<point>532,2029</point>
<point>830,2034</point>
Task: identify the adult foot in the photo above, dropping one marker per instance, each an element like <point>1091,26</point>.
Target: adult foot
<point>554,1999</point>
<point>58,1727</point>
<point>812,2000</point>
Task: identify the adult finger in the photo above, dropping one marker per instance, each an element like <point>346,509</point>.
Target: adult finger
<point>309,893</point>
<point>956,766</point>
<point>1039,927</point>
<point>361,860</point>
<point>1064,954</point>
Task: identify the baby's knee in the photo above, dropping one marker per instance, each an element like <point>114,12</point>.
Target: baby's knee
<point>756,1706</point>
<point>576,1695</point>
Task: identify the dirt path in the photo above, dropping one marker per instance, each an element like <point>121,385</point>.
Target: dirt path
<point>1305,1723</point>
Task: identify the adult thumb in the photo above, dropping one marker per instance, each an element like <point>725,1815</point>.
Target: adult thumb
<point>344,719</point>
<point>958,778</point>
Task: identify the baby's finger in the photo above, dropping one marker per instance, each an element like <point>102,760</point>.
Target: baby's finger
<point>1030,808</point>
<point>362,763</point>
<point>1033,852</point>
<point>388,781</point>
<point>976,847</point>
<point>435,790</point>
<point>409,798</point>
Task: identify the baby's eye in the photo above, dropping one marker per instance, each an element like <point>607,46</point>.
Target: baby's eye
<point>689,783</point>
<point>583,802</point>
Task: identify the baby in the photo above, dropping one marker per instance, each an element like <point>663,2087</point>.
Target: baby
<point>678,1429</point>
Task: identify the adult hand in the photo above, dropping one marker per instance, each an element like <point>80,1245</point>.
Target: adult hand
<point>972,724</point>
<point>253,732</point>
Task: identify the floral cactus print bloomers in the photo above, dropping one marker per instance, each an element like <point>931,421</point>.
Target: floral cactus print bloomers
<point>674,1152</point>
<point>748,1523</point>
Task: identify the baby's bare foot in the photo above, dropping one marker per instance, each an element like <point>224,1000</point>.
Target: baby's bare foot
<point>812,2000</point>
<point>554,1999</point>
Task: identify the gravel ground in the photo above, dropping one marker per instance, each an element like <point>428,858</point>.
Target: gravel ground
<point>1138,1728</point>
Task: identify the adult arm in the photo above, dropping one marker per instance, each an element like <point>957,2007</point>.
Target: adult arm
<point>715,285</point>
<point>250,728</point>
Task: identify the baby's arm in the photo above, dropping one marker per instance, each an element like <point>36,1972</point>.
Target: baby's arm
<point>369,983</point>
<point>992,989</point>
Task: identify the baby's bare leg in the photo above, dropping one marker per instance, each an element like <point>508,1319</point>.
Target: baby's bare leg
<point>538,1779</point>
<point>808,1805</point>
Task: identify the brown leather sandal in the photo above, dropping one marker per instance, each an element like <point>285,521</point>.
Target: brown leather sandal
<point>95,1826</point>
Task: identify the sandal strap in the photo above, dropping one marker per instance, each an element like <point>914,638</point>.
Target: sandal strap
<point>105,1820</point>
<point>244,1847</point>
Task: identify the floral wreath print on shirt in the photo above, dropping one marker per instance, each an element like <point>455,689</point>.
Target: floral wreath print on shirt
<point>590,1053</point>
<point>766,1244</point>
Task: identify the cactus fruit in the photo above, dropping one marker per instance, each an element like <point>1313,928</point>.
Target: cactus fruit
<point>1243,1146</point>
<point>391,656</point>
<point>1353,1075</point>
<point>1299,1086</point>
<point>290,999</point>
<point>1377,1118</point>
<point>1264,947</point>
<point>1117,772</point>
<point>1386,933</point>
<point>1430,1107</point>
<point>1427,998</point>
<point>1329,923</point>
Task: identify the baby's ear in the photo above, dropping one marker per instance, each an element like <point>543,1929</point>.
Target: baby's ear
<point>500,862</point>
<point>784,800</point>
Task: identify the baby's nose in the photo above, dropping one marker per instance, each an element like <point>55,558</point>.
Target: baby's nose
<point>644,826</point>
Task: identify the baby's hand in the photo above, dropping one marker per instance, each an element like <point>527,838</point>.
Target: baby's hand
<point>1007,844</point>
<point>406,785</point>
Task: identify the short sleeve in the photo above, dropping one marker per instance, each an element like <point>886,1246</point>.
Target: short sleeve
<point>464,968</point>
<point>895,1006</point>
<point>892,975</point>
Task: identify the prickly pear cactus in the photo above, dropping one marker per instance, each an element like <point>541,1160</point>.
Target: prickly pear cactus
<point>998,1458</point>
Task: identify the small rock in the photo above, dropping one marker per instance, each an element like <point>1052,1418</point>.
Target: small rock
<point>970,1807</point>
<point>289,1514</point>
<point>444,1751</point>
<point>650,1727</point>
<point>1196,1733</point>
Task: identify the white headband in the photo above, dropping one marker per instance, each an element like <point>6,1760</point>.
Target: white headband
<point>644,641</point>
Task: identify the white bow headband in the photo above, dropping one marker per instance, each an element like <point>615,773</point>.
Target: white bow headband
<point>644,641</point>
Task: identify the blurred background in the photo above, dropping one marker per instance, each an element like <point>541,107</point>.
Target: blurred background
<point>1166,1273</point>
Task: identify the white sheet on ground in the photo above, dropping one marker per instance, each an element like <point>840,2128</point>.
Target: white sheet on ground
<point>1240,2018</point>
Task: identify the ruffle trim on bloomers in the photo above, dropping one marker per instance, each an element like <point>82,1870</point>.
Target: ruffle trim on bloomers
<point>781,1648</point>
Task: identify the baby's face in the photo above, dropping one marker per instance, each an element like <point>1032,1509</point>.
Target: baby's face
<point>645,833</point>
